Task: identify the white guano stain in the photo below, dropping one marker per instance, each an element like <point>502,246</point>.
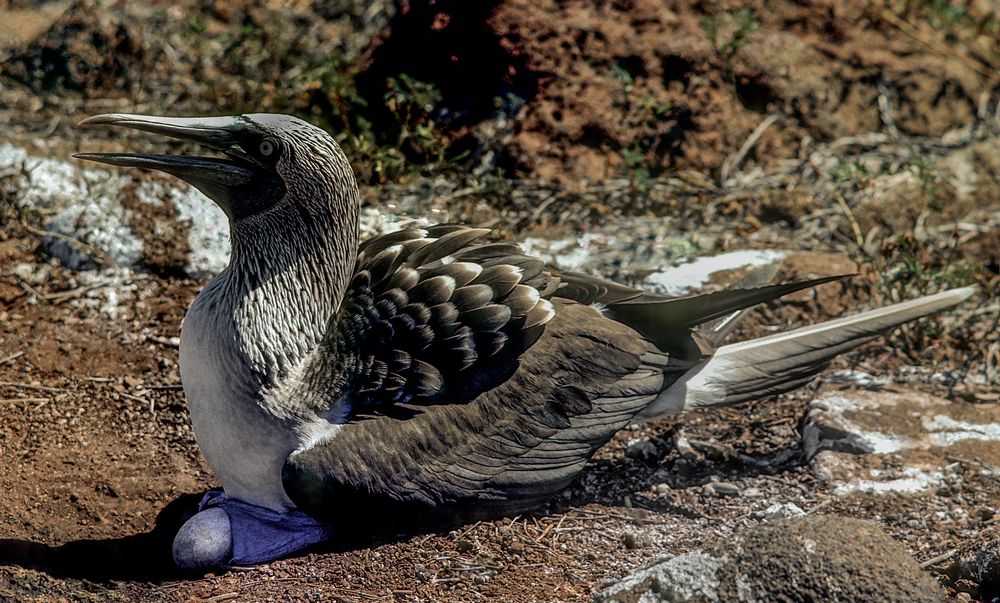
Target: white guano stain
<point>938,431</point>
<point>914,480</point>
<point>946,431</point>
<point>684,278</point>
<point>208,233</point>
<point>877,442</point>
<point>568,254</point>
<point>85,203</point>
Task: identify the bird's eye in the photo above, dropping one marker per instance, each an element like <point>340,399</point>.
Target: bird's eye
<point>268,147</point>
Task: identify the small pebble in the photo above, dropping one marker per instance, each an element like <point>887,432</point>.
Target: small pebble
<point>684,447</point>
<point>631,541</point>
<point>642,450</point>
<point>721,489</point>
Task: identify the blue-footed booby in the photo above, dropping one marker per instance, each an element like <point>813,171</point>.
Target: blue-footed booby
<point>426,375</point>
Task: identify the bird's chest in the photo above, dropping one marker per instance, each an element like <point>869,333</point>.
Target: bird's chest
<point>245,444</point>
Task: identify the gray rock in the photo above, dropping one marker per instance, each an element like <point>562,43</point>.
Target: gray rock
<point>821,558</point>
<point>806,558</point>
<point>642,450</point>
<point>662,488</point>
<point>687,577</point>
<point>782,511</point>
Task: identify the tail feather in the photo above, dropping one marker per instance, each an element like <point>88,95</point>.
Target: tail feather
<point>771,365</point>
<point>661,320</point>
<point>715,331</point>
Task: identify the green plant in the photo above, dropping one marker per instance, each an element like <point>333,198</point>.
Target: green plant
<point>412,103</point>
<point>372,161</point>
<point>730,31</point>
<point>909,266</point>
<point>625,79</point>
<point>954,20</point>
<point>942,14</point>
<point>930,181</point>
<point>648,116</point>
<point>196,24</point>
<point>493,185</point>
<point>269,65</point>
<point>411,141</point>
<point>849,171</point>
<point>637,169</point>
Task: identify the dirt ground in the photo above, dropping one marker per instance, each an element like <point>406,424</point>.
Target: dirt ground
<point>884,161</point>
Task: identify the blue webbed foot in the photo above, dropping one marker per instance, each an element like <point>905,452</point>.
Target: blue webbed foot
<point>229,532</point>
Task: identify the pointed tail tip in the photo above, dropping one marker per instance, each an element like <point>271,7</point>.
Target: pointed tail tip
<point>957,295</point>
<point>98,120</point>
<point>928,304</point>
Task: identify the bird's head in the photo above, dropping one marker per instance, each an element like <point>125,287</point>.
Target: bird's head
<point>266,160</point>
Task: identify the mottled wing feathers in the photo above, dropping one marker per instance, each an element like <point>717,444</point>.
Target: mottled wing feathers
<point>434,315</point>
<point>510,448</point>
<point>438,315</point>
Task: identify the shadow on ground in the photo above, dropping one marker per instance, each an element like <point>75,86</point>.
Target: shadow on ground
<point>612,481</point>
<point>141,557</point>
<point>145,557</point>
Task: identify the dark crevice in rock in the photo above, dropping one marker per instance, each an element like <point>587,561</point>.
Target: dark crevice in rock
<point>448,44</point>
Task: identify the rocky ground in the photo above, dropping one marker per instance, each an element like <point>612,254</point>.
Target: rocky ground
<point>895,176</point>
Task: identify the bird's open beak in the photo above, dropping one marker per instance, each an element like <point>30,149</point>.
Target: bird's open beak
<point>217,177</point>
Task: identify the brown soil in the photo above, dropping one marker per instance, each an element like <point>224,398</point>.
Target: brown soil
<point>682,84</point>
<point>162,231</point>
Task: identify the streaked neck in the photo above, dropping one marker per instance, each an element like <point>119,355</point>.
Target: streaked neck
<point>288,273</point>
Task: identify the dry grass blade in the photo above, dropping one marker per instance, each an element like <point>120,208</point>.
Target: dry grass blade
<point>28,400</point>
<point>858,237</point>
<point>12,357</point>
<point>939,559</point>
<point>733,161</point>
<point>42,388</point>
